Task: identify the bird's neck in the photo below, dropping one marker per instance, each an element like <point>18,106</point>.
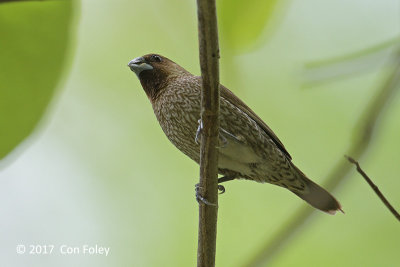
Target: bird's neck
<point>153,84</point>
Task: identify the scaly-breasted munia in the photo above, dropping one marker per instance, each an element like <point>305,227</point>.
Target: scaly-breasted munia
<point>250,149</point>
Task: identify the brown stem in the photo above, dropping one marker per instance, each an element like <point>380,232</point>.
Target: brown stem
<point>374,187</point>
<point>208,186</point>
<point>362,135</point>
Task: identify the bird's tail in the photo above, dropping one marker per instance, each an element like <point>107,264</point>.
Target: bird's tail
<point>317,197</point>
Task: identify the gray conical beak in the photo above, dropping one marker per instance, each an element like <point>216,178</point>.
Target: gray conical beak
<point>138,65</point>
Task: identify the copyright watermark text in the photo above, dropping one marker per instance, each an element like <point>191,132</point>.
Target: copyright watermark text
<point>62,250</point>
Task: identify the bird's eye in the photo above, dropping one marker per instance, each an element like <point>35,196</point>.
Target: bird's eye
<point>156,58</point>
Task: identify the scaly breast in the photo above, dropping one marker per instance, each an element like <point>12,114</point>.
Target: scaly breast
<point>178,112</point>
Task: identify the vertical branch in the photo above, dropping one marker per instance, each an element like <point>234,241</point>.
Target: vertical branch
<point>208,187</point>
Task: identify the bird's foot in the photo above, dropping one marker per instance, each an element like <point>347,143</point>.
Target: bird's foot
<point>200,198</point>
<point>198,132</point>
<point>221,188</point>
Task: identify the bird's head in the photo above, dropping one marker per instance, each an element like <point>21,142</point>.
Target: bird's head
<point>154,72</point>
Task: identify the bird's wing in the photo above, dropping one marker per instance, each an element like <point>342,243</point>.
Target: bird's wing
<point>234,100</point>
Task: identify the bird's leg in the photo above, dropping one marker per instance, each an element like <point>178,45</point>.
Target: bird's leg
<point>221,188</point>
<point>223,140</point>
<point>222,130</point>
<point>199,197</point>
<point>198,132</point>
<point>224,136</point>
<point>221,137</point>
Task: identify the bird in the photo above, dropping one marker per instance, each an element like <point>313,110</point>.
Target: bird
<point>248,149</point>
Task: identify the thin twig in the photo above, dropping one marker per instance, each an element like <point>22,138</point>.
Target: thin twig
<point>363,131</point>
<point>208,186</point>
<point>375,188</point>
<point>333,69</point>
<point>377,48</point>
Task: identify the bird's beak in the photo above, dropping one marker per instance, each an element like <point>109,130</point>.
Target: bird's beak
<point>138,65</point>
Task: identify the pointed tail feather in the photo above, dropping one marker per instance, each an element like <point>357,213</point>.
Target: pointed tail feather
<point>318,197</point>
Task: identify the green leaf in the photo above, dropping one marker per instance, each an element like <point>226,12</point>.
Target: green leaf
<point>243,22</point>
<point>33,41</point>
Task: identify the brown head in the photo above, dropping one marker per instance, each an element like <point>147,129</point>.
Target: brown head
<point>154,72</point>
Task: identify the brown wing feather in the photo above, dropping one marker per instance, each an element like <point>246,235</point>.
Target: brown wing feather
<point>229,96</point>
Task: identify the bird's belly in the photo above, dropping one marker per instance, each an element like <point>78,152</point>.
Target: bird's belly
<point>227,163</point>
<point>237,156</point>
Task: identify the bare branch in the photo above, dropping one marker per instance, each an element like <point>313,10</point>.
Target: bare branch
<point>208,186</point>
<point>374,187</point>
<point>362,135</point>
<point>333,69</point>
<point>374,49</point>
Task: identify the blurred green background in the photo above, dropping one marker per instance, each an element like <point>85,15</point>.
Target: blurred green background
<point>99,170</point>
